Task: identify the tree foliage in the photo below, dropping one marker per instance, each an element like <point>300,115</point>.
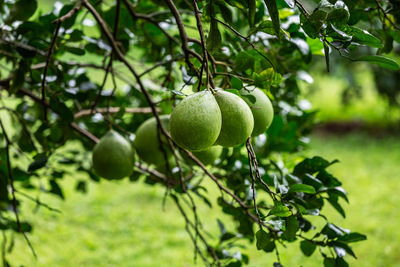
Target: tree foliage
<point>69,75</point>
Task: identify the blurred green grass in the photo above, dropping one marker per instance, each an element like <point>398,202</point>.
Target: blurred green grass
<point>325,94</point>
<point>123,224</point>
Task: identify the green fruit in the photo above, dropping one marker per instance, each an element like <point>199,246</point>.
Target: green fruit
<point>207,157</point>
<point>147,143</point>
<point>113,156</point>
<point>196,121</point>
<point>262,110</point>
<point>237,119</point>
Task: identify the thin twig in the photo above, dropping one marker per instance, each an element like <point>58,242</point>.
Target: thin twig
<point>183,35</point>
<point>247,39</point>
<point>96,100</point>
<point>252,156</point>
<point>380,7</point>
<point>38,202</point>
<point>87,112</point>
<point>150,19</point>
<point>53,42</point>
<point>72,12</point>
<point>249,155</point>
<point>204,64</point>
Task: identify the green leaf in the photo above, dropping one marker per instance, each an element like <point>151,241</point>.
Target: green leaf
<point>68,23</point>
<point>292,225</point>
<point>334,202</point>
<point>61,109</point>
<point>280,210</point>
<point>302,188</point>
<point>226,13</point>
<point>340,262</point>
<point>343,245</point>
<point>339,15</point>
<point>362,36</point>
<point>56,189</point>
<point>311,166</point>
<point>274,14</point>
<point>352,237</point>
<point>329,262</point>
<point>333,231</point>
<point>264,241</point>
<point>40,162</point>
<point>314,23</point>
<point>381,61</point>
<point>22,10</point>
<point>252,12</point>
<point>214,39</point>
<point>307,247</point>
<point>75,50</point>
<point>236,83</point>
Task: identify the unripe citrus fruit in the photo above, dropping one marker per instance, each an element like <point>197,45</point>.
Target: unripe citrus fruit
<point>147,143</point>
<point>113,156</point>
<point>207,156</point>
<point>262,110</point>
<point>237,119</point>
<point>196,121</point>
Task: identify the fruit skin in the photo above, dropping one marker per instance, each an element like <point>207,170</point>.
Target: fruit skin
<point>196,121</point>
<point>207,157</point>
<point>262,110</point>
<point>147,144</point>
<point>237,119</point>
<point>113,156</point>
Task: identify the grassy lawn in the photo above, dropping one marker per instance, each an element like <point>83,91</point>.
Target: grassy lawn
<point>124,224</point>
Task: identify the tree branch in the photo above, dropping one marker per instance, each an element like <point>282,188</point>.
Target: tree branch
<point>88,112</point>
<point>182,34</point>
<point>204,64</point>
<point>53,42</point>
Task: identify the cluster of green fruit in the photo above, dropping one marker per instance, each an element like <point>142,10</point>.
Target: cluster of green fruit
<point>202,123</point>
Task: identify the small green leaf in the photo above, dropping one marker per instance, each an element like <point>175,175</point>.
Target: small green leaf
<point>274,14</point>
<point>362,36</point>
<point>22,10</point>
<point>74,50</point>
<point>236,83</point>
<point>381,61</point>
<point>307,247</point>
<point>61,109</point>
<point>329,262</point>
<point>302,188</point>
<point>292,225</point>
<point>40,162</point>
<point>343,245</point>
<point>214,39</point>
<point>352,237</point>
<point>280,210</point>
<point>339,15</point>
<point>56,189</point>
<point>264,241</point>
<point>252,12</point>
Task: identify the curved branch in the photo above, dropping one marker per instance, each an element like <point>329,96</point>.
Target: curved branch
<point>182,34</point>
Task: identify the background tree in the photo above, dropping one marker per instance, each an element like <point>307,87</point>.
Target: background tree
<point>56,71</point>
